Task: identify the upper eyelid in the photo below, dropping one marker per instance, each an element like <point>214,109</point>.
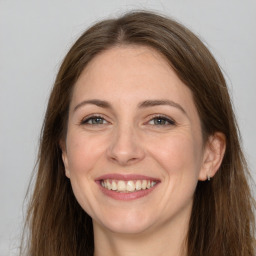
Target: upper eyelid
<point>91,116</point>
<point>149,117</point>
<point>161,116</point>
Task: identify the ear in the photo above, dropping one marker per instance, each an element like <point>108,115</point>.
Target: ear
<point>213,155</point>
<point>64,157</point>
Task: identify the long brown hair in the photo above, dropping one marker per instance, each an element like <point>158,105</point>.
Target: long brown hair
<point>222,219</point>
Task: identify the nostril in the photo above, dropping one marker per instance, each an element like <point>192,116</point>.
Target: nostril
<point>124,159</point>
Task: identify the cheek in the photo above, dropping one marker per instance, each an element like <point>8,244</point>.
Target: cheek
<point>83,153</point>
<point>178,154</point>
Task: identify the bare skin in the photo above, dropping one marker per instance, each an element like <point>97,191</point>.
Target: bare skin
<point>131,115</point>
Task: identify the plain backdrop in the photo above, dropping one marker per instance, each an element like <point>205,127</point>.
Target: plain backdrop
<point>34,37</point>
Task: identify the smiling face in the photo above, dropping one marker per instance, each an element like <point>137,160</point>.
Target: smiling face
<point>134,149</point>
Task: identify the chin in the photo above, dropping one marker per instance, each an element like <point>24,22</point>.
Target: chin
<point>130,223</point>
<point>127,228</point>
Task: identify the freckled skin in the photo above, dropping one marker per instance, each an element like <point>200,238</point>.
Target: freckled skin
<point>130,143</point>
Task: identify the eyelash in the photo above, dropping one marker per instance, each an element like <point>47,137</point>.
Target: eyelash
<point>167,121</point>
<point>91,118</point>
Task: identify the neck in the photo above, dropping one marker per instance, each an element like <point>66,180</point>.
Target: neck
<point>169,240</point>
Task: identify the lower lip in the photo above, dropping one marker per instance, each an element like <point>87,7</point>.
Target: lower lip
<point>126,196</point>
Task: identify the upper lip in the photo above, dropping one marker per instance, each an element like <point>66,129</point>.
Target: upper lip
<point>126,177</point>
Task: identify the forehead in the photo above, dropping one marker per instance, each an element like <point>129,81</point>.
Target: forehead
<point>131,73</point>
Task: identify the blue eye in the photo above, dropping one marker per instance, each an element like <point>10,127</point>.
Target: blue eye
<point>161,121</point>
<point>94,120</point>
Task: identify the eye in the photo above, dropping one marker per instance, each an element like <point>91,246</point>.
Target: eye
<point>161,121</point>
<point>94,120</point>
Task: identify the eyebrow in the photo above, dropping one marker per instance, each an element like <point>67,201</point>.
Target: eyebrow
<point>99,103</point>
<point>152,103</point>
<point>144,104</point>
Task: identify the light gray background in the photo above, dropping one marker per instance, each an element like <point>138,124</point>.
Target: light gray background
<point>35,35</point>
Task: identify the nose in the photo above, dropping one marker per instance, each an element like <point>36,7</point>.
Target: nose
<point>125,147</point>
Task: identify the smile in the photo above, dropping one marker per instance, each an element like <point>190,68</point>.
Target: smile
<point>124,186</point>
<point>127,187</point>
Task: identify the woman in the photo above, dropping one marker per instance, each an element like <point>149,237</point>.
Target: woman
<point>140,153</point>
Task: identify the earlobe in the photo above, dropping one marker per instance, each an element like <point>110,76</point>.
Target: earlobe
<point>65,158</point>
<point>213,155</point>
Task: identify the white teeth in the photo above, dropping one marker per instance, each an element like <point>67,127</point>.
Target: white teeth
<point>108,185</point>
<point>138,185</point>
<point>121,185</point>
<point>127,186</point>
<point>130,186</point>
<point>144,184</point>
<point>114,185</point>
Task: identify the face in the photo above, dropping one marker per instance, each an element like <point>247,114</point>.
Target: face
<point>134,149</point>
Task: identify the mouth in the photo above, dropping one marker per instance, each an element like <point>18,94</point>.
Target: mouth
<point>126,187</point>
<point>123,186</point>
